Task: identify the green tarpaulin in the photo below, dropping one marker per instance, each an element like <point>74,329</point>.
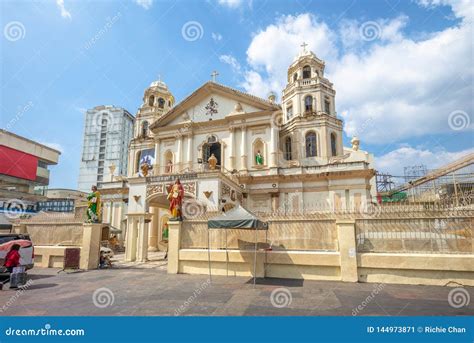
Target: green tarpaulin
<point>237,218</point>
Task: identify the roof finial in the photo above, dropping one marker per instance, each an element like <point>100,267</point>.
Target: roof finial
<point>214,75</point>
<point>304,45</point>
<point>159,77</point>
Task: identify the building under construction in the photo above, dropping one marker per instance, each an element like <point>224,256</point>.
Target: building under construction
<point>451,184</point>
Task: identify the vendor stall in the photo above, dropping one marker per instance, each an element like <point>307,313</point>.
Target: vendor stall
<point>236,218</point>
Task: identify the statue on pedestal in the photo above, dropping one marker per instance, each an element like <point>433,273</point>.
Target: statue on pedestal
<point>175,197</point>
<point>94,206</point>
<point>212,162</point>
<point>355,143</point>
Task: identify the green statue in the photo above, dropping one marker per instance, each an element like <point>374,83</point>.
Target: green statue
<point>259,158</point>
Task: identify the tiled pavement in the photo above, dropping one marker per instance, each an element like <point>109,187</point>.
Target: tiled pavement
<point>148,290</point>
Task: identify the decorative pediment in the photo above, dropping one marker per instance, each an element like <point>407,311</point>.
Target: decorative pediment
<point>213,102</point>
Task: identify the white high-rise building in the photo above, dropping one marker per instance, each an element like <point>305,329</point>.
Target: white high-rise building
<point>107,134</point>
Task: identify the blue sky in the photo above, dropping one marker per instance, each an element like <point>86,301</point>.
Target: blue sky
<point>402,70</point>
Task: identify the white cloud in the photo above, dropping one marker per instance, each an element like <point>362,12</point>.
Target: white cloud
<point>356,34</point>
<point>394,161</point>
<point>64,13</point>
<point>404,88</point>
<point>272,50</point>
<point>231,3</point>
<point>146,4</point>
<point>216,36</point>
<point>230,60</point>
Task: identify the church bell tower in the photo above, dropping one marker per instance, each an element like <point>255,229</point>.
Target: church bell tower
<point>312,133</point>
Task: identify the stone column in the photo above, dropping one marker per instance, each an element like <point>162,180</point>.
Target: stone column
<point>190,151</point>
<point>142,240</point>
<point>91,236</point>
<point>232,149</point>
<point>156,167</point>
<point>243,149</point>
<point>131,248</point>
<point>275,202</point>
<point>273,146</point>
<point>174,239</point>
<point>347,250</point>
<point>131,162</point>
<point>324,147</point>
<point>179,155</point>
<point>153,230</point>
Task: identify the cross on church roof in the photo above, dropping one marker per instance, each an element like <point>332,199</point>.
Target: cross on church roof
<point>214,75</point>
<point>304,45</point>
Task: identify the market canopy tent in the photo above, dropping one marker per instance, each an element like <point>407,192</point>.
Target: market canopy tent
<point>236,218</point>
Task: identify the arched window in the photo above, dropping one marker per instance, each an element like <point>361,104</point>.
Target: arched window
<point>310,144</point>
<point>308,103</point>
<point>295,77</point>
<point>333,144</point>
<point>288,149</point>
<point>151,100</point>
<point>161,103</point>
<point>169,103</point>
<point>145,129</point>
<point>306,72</point>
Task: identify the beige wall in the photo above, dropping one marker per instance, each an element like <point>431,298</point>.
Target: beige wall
<point>335,257</point>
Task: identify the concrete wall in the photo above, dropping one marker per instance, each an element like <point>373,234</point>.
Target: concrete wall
<point>344,264</point>
<point>48,255</point>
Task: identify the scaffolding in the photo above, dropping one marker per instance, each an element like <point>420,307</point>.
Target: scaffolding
<point>453,182</point>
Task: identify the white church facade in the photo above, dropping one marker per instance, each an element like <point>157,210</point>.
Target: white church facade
<point>229,147</point>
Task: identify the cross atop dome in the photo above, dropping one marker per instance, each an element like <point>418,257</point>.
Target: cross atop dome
<point>304,45</point>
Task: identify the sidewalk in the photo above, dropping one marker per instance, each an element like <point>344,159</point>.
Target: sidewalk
<point>147,290</point>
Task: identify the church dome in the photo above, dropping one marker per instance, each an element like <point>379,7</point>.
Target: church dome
<point>303,54</point>
<point>159,84</point>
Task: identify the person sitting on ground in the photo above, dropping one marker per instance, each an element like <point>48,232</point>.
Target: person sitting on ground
<point>12,259</point>
<point>104,260</point>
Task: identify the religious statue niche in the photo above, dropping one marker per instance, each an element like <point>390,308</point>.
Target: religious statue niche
<point>175,197</point>
<point>94,206</point>
<point>211,108</point>
<point>259,158</point>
